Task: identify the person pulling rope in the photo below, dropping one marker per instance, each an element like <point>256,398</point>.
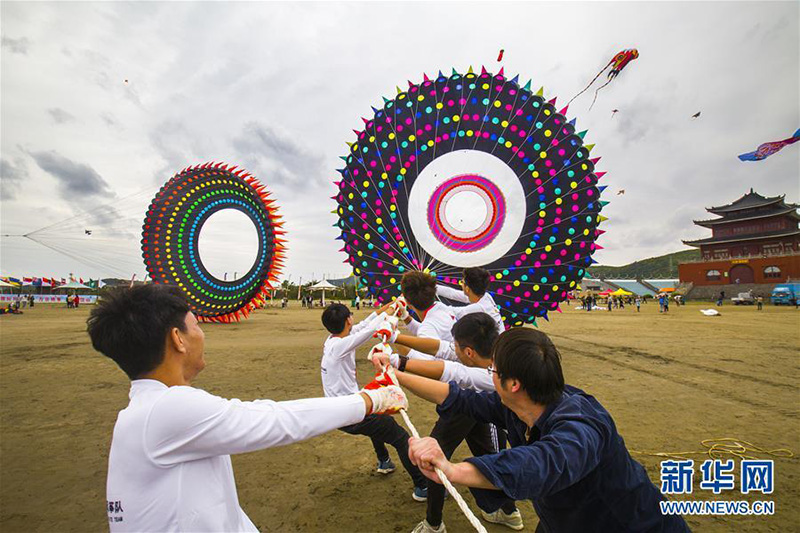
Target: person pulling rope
<point>385,332</point>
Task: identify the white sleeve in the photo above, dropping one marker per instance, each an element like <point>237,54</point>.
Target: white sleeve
<point>446,351</point>
<point>414,354</point>
<point>451,294</point>
<point>344,345</point>
<point>427,330</point>
<point>466,377</point>
<point>187,424</point>
<point>364,323</point>
<point>466,309</point>
<point>413,327</point>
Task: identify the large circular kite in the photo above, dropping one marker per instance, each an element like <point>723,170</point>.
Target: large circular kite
<point>472,170</point>
<point>172,228</point>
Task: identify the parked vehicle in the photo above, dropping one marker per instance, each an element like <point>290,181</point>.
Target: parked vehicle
<point>744,298</point>
<point>785,293</point>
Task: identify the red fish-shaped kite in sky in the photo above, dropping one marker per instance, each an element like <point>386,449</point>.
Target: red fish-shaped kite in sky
<point>617,63</point>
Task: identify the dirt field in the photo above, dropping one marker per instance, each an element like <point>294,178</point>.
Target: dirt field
<point>669,381</point>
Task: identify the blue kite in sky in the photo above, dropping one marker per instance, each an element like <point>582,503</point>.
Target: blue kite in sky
<point>767,149</point>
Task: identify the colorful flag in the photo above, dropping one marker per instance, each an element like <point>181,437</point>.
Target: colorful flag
<point>767,149</point>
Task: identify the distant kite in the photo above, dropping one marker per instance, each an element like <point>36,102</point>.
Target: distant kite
<point>621,191</point>
<point>87,231</point>
<point>617,63</point>
<point>500,55</point>
<point>696,115</point>
<point>767,149</point>
<point>614,112</point>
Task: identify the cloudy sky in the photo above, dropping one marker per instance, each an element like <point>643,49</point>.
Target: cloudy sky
<point>278,87</point>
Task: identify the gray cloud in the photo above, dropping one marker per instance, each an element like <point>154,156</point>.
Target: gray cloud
<point>110,120</point>
<point>16,46</point>
<point>75,180</point>
<point>60,116</point>
<point>11,178</point>
<point>278,159</point>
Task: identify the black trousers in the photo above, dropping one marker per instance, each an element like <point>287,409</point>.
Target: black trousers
<point>450,432</point>
<point>382,430</point>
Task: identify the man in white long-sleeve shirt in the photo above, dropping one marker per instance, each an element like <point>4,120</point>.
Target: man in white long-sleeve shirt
<point>169,467</point>
<point>339,379</point>
<point>474,293</point>
<point>473,337</point>
<point>419,290</point>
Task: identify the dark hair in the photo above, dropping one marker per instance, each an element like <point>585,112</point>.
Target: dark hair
<point>419,289</point>
<point>477,279</point>
<point>477,331</point>
<point>334,317</point>
<point>131,325</point>
<point>529,356</point>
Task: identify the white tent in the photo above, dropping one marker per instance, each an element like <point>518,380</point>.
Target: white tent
<point>323,286</point>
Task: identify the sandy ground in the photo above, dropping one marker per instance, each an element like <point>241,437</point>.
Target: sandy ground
<point>669,381</point>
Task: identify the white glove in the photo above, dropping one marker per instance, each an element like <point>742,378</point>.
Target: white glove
<point>380,349</point>
<point>400,308</point>
<point>387,328</point>
<point>387,400</point>
<point>387,397</point>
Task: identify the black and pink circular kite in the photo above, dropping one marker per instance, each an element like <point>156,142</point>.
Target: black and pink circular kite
<point>171,232</point>
<point>472,170</point>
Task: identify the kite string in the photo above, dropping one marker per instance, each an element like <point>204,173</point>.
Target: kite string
<point>591,82</point>
<point>442,477</point>
<point>718,448</point>
<point>598,90</point>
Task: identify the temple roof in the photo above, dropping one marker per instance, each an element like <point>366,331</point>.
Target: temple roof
<point>789,210</point>
<point>750,200</point>
<point>740,238</point>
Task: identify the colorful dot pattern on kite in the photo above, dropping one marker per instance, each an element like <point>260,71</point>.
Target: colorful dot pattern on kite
<point>489,113</point>
<point>171,231</point>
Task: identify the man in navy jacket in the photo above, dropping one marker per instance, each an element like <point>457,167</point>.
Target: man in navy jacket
<point>566,455</point>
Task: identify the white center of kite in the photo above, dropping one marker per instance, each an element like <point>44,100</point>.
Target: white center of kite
<point>466,216</point>
<point>465,211</point>
<point>228,244</point>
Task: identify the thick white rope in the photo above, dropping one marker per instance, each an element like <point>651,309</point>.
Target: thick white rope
<point>446,482</point>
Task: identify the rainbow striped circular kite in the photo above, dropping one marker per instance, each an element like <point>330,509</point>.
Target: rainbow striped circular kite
<point>472,170</point>
<point>172,228</point>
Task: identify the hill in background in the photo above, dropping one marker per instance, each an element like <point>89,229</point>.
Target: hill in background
<point>665,266</point>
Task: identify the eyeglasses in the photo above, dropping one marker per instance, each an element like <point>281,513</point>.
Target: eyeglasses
<point>491,370</point>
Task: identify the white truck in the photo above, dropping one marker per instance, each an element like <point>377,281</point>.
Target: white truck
<point>744,298</point>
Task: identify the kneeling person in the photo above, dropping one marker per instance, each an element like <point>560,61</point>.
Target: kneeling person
<point>339,379</point>
<point>169,468</point>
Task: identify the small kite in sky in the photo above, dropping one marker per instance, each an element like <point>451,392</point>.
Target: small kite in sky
<point>614,112</point>
<point>500,55</point>
<point>767,149</point>
<point>621,191</point>
<point>617,63</point>
<point>87,231</point>
<point>696,115</point>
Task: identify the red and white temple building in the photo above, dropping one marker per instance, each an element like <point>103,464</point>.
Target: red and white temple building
<point>754,240</point>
